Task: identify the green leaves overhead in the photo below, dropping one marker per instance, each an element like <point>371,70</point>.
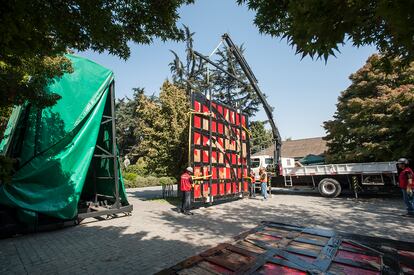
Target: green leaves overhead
<point>374,120</point>
<point>35,35</point>
<point>318,27</point>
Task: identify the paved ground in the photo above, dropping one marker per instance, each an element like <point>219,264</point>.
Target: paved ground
<point>156,236</point>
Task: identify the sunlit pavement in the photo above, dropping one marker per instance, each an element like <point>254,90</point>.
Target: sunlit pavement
<point>156,236</point>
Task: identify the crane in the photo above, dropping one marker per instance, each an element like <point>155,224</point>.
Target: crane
<point>253,82</point>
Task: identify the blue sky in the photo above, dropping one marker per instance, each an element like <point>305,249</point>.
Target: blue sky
<point>303,92</point>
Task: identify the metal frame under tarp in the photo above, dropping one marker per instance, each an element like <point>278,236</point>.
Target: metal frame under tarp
<point>95,208</point>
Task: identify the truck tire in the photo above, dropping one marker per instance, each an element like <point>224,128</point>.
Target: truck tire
<point>329,188</point>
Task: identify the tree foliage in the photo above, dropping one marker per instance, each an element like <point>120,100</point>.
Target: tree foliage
<point>163,122</point>
<point>230,91</point>
<point>317,27</point>
<point>35,34</point>
<point>128,134</point>
<point>191,75</point>
<point>261,138</point>
<point>374,120</point>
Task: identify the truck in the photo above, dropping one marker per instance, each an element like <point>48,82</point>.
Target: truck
<point>331,179</point>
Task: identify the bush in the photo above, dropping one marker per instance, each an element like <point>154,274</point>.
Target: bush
<point>130,176</point>
<point>167,180</point>
<point>139,168</point>
<point>139,181</point>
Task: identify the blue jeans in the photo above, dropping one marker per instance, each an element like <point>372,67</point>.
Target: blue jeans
<point>264,190</point>
<point>409,201</point>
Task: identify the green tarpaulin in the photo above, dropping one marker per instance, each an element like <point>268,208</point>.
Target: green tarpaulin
<point>55,146</point>
<point>312,159</point>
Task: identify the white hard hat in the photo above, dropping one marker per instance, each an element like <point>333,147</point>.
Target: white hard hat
<point>190,169</point>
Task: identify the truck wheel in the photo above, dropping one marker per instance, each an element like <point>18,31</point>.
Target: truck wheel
<point>329,187</point>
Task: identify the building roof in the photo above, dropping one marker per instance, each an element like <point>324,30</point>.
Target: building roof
<point>298,148</point>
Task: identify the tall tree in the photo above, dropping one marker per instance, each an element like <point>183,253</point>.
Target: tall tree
<point>261,138</point>
<point>228,90</point>
<point>128,134</point>
<point>189,76</point>
<point>35,34</point>
<point>317,27</point>
<point>163,122</point>
<point>374,120</point>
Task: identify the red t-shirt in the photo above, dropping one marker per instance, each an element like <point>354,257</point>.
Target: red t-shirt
<point>185,183</point>
<point>405,174</point>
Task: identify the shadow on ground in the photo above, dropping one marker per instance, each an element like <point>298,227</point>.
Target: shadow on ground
<point>374,217</point>
<point>93,250</point>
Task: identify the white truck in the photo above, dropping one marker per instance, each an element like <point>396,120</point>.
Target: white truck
<point>263,161</point>
<point>332,179</point>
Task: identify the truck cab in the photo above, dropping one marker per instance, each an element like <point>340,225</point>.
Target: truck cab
<point>263,161</point>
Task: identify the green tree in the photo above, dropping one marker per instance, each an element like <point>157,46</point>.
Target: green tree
<point>35,34</point>
<point>163,122</point>
<point>261,138</point>
<point>128,134</point>
<point>228,90</point>
<point>374,120</point>
<point>191,75</point>
<point>317,27</point>
<point>5,113</point>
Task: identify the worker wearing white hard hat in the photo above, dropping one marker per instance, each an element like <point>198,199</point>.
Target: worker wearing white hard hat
<point>186,184</point>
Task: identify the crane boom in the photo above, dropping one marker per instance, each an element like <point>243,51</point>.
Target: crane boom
<point>253,82</point>
<point>277,140</point>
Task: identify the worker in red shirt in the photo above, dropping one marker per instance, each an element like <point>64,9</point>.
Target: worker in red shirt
<point>186,184</point>
<point>405,180</point>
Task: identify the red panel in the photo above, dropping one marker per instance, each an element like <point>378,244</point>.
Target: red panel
<point>222,173</point>
<point>221,189</point>
<point>231,116</point>
<point>197,191</point>
<point>342,254</point>
<point>197,122</point>
<point>214,126</point>
<point>197,106</point>
<point>220,128</point>
<point>220,109</point>
<point>270,268</point>
<point>244,121</point>
<point>205,156</point>
<point>245,186</point>
<point>233,158</point>
<point>237,119</point>
<point>205,109</point>
<point>214,157</point>
<point>214,189</point>
<point>228,188</point>
<point>197,138</point>
<point>235,186</point>
<point>337,268</point>
<point>205,141</point>
<point>206,188</point>
<point>214,172</point>
<point>197,155</point>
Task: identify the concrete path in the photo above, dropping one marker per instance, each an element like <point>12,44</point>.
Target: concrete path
<point>156,236</point>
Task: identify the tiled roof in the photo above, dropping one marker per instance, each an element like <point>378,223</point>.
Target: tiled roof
<point>298,148</point>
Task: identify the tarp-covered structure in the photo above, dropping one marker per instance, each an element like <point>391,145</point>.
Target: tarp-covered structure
<point>62,151</point>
